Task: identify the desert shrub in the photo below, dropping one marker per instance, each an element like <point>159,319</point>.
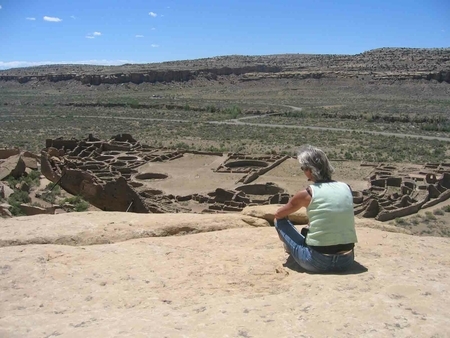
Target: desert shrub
<point>54,187</point>
<point>211,108</point>
<point>32,179</point>
<point>16,199</point>
<point>429,216</point>
<point>446,208</point>
<point>51,191</point>
<point>439,212</point>
<point>415,220</point>
<point>182,145</point>
<point>78,202</point>
<point>400,221</point>
<point>12,182</point>
<point>19,196</point>
<point>233,111</point>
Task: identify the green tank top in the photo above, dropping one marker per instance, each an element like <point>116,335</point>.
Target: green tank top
<point>331,216</point>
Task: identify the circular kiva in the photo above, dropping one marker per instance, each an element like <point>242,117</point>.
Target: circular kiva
<point>128,158</point>
<point>260,189</point>
<point>104,157</point>
<point>151,176</point>
<point>246,163</point>
<point>151,192</point>
<point>119,164</point>
<point>136,184</point>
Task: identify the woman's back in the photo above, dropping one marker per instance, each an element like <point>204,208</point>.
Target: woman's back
<point>330,214</point>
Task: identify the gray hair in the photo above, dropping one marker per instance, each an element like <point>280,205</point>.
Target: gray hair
<point>315,159</point>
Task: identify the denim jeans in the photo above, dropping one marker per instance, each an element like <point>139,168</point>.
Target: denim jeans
<point>306,257</point>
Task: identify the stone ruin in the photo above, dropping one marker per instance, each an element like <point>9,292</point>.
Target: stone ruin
<point>105,174</point>
<point>396,193</point>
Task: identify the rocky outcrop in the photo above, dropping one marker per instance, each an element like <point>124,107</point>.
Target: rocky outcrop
<point>380,64</point>
<point>151,76</point>
<point>101,228</point>
<point>237,281</point>
<point>13,166</point>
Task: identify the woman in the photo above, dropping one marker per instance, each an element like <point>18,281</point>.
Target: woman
<point>327,244</point>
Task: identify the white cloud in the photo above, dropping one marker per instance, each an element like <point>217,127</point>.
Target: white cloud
<point>93,35</point>
<point>31,19</point>
<point>73,17</point>
<point>154,45</point>
<point>139,36</point>
<point>153,14</point>
<point>17,64</point>
<point>52,19</point>
<point>0,6</point>
<point>153,28</point>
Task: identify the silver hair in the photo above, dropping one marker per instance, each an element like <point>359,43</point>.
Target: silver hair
<point>315,159</point>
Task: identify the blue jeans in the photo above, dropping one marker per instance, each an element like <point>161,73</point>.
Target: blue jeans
<point>306,257</point>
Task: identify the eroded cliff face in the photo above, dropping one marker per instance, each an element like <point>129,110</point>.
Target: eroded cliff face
<point>151,76</point>
<point>380,64</point>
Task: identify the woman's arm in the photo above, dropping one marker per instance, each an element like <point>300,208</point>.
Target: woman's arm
<point>299,200</point>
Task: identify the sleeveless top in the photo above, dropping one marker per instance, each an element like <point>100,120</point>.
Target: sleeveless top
<point>331,215</point>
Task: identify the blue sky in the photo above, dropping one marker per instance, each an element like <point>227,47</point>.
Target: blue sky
<point>136,31</point>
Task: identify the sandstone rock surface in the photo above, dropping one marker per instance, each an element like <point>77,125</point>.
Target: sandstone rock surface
<point>13,166</point>
<point>237,282</point>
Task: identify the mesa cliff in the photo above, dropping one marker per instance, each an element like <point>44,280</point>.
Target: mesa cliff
<point>389,64</point>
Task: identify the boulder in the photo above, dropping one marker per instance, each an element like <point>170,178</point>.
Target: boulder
<point>13,166</point>
<point>5,191</point>
<point>53,152</point>
<point>268,211</point>
<point>223,195</point>
<point>4,210</point>
<point>30,162</point>
<point>23,186</point>
<point>5,153</point>
<point>31,210</point>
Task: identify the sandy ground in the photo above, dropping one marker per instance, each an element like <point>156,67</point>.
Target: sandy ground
<point>195,174</point>
<point>190,174</point>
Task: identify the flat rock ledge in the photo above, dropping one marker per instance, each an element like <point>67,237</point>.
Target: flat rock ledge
<point>100,227</point>
<point>149,281</point>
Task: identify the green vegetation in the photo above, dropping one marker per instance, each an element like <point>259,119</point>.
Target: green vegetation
<point>400,221</point>
<point>438,212</point>
<point>233,111</point>
<point>429,216</point>
<point>446,208</point>
<point>51,192</point>
<point>79,204</point>
<point>16,199</point>
<point>32,179</point>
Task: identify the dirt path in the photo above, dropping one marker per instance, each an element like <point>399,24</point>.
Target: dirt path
<point>239,121</point>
